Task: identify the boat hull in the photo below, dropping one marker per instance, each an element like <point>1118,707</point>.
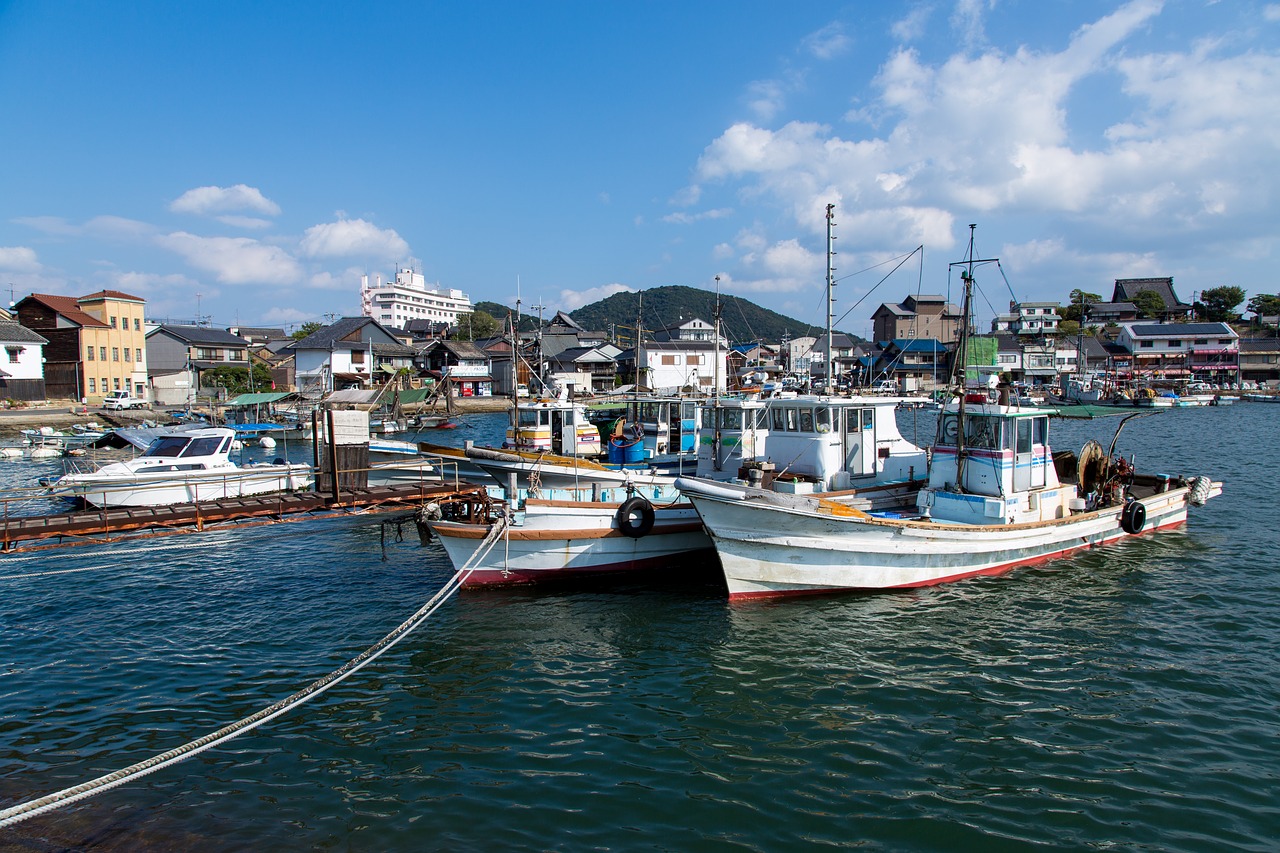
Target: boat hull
<point>568,540</point>
<point>769,551</point>
<point>161,488</point>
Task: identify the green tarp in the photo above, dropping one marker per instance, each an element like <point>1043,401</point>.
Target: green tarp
<point>410,396</point>
<point>258,399</point>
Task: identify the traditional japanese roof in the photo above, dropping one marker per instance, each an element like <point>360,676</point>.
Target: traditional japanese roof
<point>338,332</point>
<point>200,335</point>
<point>1128,288</point>
<point>12,332</point>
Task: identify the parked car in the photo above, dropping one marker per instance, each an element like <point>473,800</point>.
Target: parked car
<point>118,400</point>
<point>885,386</point>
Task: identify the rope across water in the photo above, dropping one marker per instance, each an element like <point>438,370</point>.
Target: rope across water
<point>31,808</point>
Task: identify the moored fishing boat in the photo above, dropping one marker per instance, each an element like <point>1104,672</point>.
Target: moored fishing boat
<point>995,499</point>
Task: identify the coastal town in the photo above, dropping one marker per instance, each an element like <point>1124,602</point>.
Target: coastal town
<point>103,348</point>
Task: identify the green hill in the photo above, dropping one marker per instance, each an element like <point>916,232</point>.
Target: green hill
<point>742,320</point>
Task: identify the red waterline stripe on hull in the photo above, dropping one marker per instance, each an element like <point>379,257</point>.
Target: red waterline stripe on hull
<point>1003,568</point>
<point>496,577</point>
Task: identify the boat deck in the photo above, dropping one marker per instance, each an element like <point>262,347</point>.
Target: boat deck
<point>101,525</point>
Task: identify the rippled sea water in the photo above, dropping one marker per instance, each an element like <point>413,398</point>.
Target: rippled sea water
<point>1126,698</point>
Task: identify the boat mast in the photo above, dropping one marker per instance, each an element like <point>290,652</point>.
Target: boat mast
<point>715,387</point>
<point>962,359</point>
<point>831,296</point>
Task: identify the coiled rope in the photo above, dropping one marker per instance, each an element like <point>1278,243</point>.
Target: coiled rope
<point>22,811</point>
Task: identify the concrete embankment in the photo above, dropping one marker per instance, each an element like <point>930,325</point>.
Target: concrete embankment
<point>62,413</point>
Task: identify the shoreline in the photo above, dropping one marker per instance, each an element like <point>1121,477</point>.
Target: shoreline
<point>62,413</point>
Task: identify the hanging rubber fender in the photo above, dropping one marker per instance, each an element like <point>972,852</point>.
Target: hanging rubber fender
<point>635,517</point>
<point>1134,517</point>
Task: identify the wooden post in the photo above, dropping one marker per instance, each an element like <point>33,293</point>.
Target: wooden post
<point>333,457</point>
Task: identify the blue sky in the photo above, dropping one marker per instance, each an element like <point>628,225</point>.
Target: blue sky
<point>249,161</point>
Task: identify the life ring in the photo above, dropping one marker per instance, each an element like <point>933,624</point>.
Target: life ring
<point>629,523</point>
<point>1134,517</point>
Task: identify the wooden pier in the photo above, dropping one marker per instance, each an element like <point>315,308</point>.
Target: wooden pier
<point>95,526</point>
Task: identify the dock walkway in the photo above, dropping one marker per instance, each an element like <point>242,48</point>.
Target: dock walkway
<point>27,533</point>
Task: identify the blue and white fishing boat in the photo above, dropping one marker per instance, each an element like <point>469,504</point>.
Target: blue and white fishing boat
<point>996,498</point>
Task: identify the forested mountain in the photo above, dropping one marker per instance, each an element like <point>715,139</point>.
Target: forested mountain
<point>742,320</point>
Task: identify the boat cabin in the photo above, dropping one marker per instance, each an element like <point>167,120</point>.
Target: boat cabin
<point>664,426</point>
<point>1006,472</point>
<point>553,426</point>
<point>834,443</point>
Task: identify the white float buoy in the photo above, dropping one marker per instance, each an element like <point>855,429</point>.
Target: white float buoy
<point>44,452</point>
<point>266,441</point>
<point>11,452</point>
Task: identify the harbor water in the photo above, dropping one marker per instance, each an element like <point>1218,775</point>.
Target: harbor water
<point>1125,698</point>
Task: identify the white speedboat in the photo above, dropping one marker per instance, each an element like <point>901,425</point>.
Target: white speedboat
<point>192,465</point>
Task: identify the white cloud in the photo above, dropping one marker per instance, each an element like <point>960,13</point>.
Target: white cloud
<point>967,20</point>
<point>571,300</point>
<point>18,259</point>
<point>247,222</point>
<point>681,218</point>
<point>1271,12</point>
<point>352,238</point>
<point>235,260</point>
<point>912,26</point>
<point>828,42</point>
<point>206,201</point>
<point>118,228</point>
<point>287,316</point>
<point>145,283</point>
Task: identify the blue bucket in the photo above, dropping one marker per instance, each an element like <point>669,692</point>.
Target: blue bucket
<point>624,452</point>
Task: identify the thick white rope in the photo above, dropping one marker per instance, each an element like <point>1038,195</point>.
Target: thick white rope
<point>31,808</point>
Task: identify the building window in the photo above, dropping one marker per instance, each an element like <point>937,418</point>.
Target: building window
<point>13,352</point>
<point>1147,344</point>
<point>127,354</point>
<point>137,354</point>
<point>137,324</point>
<point>102,353</point>
<point>104,385</point>
<point>115,353</point>
<point>93,385</point>
<point>117,384</point>
<point>113,322</point>
<point>357,356</point>
<point>89,354</point>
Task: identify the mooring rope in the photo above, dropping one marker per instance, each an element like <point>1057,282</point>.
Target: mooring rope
<point>22,811</point>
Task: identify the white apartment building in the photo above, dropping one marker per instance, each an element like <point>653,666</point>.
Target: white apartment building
<point>395,303</point>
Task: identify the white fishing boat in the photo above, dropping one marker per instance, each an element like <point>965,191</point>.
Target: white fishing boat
<point>191,465</point>
<point>995,499</point>
<point>557,538</point>
<point>616,521</point>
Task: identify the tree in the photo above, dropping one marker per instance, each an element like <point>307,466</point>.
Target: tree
<point>1220,303</point>
<point>1079,299</point>
<point>1264,305</point>
<point>307,328</point>
<point>1069,329</point>
<point>477,324</point>
<point>1149,303</point>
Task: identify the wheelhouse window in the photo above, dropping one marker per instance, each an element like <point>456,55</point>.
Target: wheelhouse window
<point>527,417</point>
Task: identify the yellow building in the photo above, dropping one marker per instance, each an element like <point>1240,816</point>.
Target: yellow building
<point>113,356</point>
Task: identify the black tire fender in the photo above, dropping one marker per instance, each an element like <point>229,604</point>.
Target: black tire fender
<point>1134,517</point>
<point>635,517</point>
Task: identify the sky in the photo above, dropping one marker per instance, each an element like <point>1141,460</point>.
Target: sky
<point>245,163</point>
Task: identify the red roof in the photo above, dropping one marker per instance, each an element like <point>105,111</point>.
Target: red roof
<point>111,294</point>
<point>68,307</point>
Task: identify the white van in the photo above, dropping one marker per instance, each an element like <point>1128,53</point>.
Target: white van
<point>885,386</point>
